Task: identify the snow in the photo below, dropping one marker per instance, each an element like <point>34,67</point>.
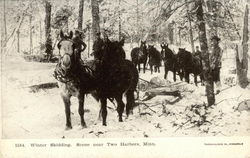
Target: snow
<point>41,114</point>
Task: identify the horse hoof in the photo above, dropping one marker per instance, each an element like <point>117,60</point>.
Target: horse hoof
<point>83,126</point>
<point>104,124</point>
<point>120,120</point>
<point>68,128</point>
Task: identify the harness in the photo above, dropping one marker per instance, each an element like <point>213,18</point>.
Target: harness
<point>62,75</point>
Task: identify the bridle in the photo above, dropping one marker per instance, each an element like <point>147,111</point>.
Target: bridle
<point>61,72</point>
<point>68,54</point>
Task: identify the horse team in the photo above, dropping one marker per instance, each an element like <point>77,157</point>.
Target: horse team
<point>183,63</point>
<point>112,76</point>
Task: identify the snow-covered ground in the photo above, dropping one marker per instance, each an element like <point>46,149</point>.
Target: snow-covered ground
<point>27,114</point>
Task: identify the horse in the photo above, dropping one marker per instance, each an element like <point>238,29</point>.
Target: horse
<point>170,62</point>
<point>116,76</point>
<point>74,79</point>
<point>189,64</point>
<point>140,56</point>
<point>154,59</point>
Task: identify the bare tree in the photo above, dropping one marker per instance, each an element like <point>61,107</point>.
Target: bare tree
<point>205,56</point>
<point>31,41</point>
<point>48,42</point>
<point>5,23</point>
<point>190,27</point>
<point>95,18</point>
<point>18,41</point>
<point>241,57</point>
<point>120,26</point>
<point>80,18</point>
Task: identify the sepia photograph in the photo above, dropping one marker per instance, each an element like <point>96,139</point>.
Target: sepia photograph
<point>90,69</point>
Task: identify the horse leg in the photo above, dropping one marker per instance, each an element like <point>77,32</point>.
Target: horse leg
<point>158,69</point>
<point>166,72</point>
<point>120,106</point>
<point>81,110</point>
<point>174,75</point>
<point>104,110</point>
<point>144,67</point>
<point>202,79</point>
<point>187,76</point>
<point>151,69</point>
<point>130,102</point>
<point>139,67</point>
<point>180,74</point>
<point>66,100</point>
<point>195,79</point>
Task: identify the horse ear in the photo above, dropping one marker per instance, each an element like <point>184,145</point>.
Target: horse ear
<point>61,34</point>
<point>122,42</point>
<point>70,34</point>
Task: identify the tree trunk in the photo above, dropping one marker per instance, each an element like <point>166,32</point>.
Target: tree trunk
<point>137,21</point>
<point>190,27</point>
<point>31,42</point>
<point>40,31</point>
<point>170,29</point>
<point>171,33</point>
<point>212,8</point>
<point>95,18</point>
<point>48,42</point>
<point>88,40</point>
<point>5,23</point>
<point>179,34</point>
<point>80,18</point>
<point>120,26</point>
<point>18,41</point>
<point>241,56</point>
<point>205,55</point>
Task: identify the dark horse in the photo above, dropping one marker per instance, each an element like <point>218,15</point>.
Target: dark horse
<point>74,79</point>
<point>170,61</point>
<point>116,76</point>
<point>154,58</point>
<point>140,56</point>
<point>189,64</point>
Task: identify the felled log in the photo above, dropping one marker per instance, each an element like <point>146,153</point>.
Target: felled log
<point>36,88</point>
<point>160,91</point>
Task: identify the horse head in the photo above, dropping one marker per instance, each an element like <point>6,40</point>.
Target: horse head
<point>183,57</point>
<point>113,51</point>
<point>151,50</point>
<point>143,49</point>
<point>166,53</point>
<point>66,51</point>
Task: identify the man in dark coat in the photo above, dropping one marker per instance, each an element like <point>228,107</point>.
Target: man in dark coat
<point>79,45</point>
<point>215,62</point>
<point>98,46</point>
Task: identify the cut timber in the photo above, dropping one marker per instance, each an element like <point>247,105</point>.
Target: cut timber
<point>160,91</point>
<point>36,88</point>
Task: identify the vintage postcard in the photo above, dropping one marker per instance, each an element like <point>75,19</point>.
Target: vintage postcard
<point>125,78</point>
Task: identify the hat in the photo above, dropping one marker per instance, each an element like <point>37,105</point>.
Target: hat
<point>216,38</point>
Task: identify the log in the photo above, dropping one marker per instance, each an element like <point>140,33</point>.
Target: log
<point>154,92</point>
<point>36,88</point>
